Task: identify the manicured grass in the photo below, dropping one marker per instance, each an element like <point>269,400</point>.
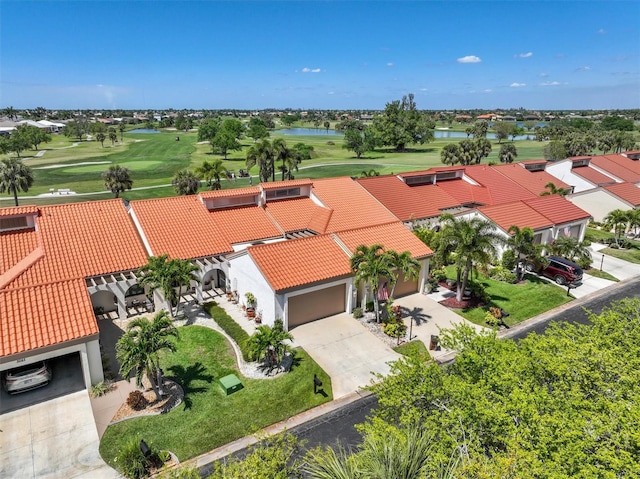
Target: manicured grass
<point>631,255</point>
<point>232,328</point>
<point>601,274</point>
<point>521,301</point>
<point>597,236</point>
<point>414,348</point>
<point>208,418</point>
<point>153,159</point>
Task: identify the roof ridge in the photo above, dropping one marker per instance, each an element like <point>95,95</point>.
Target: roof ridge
<point>21,266</point>
<point>272,219</point>
<point>343,247</point>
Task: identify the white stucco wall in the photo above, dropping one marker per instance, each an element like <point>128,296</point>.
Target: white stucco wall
<point>598,203</point>
<point>562,171</point>
<point>245,276</point>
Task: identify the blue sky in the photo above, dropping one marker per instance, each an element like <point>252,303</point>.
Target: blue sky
<point>319,54</point>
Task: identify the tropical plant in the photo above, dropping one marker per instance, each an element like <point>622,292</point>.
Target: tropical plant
<point>407,265</point>
<point>121,128</point>
<point>570,248</point>
<point>261,155</point>
<point>100,136</point>
<point>168,275</point>
<point>15,176</point>
<point>521,242</point>
<point>617,221</point>
<point>139,347</point>
<point>185,182</point>
<point>283,154</point>
<point>401,124</point>
<point>370,263</point>
<point>268,344</point>
<point>552,189</point>
<point>212,172</point>
<point>117,179</point>
<point>508,153</point>
<point>131,462</point>
<point>473,242</point>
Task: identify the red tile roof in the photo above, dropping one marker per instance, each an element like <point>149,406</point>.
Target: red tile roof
<point>502,188</point>
<point>352,205</point>
<point>516,213</point>
<point>626,191</point>
<point>431,171</point>
<point>84,239</point>
<point>294,214</point>
<point>393,236</point>
<point>592,176</point>
<point>19,210</point>
<point>181,227</point>
<point>558,209</point>
<point>408,202</point>
<point>275,185</point>
<point>289,264</point>
<point>14,246</point>
<point>45,315</point>
<point>245,223</point>
<point>466,193</point>
<point>230,193</point>
<point>532,181</point>
<point>618,166</point>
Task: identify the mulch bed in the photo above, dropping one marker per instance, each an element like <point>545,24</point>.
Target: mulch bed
<point>466,303</point>
<point>173,397</point>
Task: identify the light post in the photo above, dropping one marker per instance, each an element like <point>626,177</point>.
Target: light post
<point>601,262</point>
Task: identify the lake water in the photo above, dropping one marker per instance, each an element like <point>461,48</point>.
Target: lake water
<point>143,130</point>
<point>309,131</point>
<point>462,134</point>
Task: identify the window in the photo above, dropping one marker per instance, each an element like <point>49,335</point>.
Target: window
<point>419,180</point>
<point>14,223</point>
<point>284,193</point>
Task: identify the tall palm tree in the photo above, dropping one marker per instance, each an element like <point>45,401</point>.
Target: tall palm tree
<point>405,264</point>
<point>168,275</point>
<point>281,153</point>
<point>617,221</point>
<point>552,189</point>
<point>121,128</point>
<point>15,176</point>
<point>473,240</point>
<point>370,263</point>
<point>101,137</point>
<point>507,153</point>
<point>261,155</point>
<point>212,173</point>
<point>634,220</point>
<point>185,182</point>
<point>571,248</point>
<point>117,178</point>
<point>521,243</point>
<point>449,155</point>
<point>139,347</point>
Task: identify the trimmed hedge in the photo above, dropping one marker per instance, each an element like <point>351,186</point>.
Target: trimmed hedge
<point>232,328</point>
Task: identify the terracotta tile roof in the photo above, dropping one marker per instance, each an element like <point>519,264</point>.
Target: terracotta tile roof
<point>245,223</point>
<point>230,193</point>
<point>465,193</point>
<point>289,264</point>
<point>393,236</point>
<point>294,214</point>
<point>274,185</point>
<point>628,163</point>
<point>352,205</point>
<point>19,210</point>
<point>558,209</point>
<point>516,213</point>
<point>626,191</point>
<point>408,202</point>
<point>14,246</point>
<point>534,182</point>
<point>84,239</point>
<point>612,164</point>
<point>45,315</point>
<point>592,176</point>
<point>532,162</point>
<point>502,188</point>
<point>431,171</point>
<point>180,226</point>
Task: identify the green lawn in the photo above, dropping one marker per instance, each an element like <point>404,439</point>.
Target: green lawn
<point>208,418</point>
<point>632,255</point>
<point>153,159</point>
<point>521,301</point>
<point>601,274</point>
<point>414,348</point>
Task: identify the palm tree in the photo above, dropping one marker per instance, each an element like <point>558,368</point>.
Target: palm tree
<point>211,173</point>
<point>281,153</point>
<point>521,243</point>
<point>634,220</point>
<point>405,264</point>
<point>117,179</point>
<point>10,112</point>
<point>185,182</point>
<point>570,248</point>
<point>268,344</point>
<point>15,176</point>
<point>139,347</point>
<point>449,154</point>
<point>617,221</point>
<point>121,130</point>
<point>261,154</point>
<point>166,274</point>
<point>507,153</point>
<point>370,263</point>
<point>473,240</point>
<point>113,136</point>
<point>552,189</point>
<point>101,137</point>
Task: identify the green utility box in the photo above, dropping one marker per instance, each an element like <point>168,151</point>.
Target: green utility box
<point>230,384</point>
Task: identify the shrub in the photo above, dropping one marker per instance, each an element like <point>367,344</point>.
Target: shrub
<point>439,275</point>
<point>164,456</point>
<point>369,306</point>
<point>131,462</point>
<point>100,389</point>
<point>491,320</point>
<point>357,312</point>
<point>478,291</point>
<point>330,143</point>
<point>395,329</point>
<point>509,260</point>
<point>500,273</point>
<point>136,400</point>
<point>185,472</point>
<point>233,329</point>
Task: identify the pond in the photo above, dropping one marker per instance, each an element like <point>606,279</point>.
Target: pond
<point>462,134</point>
<point>144,130</point>
<point>309,131</point>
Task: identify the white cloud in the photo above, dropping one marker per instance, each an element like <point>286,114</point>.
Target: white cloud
<point>602,31</point>
<point>544,75</point>
<point>310,70</point>
<point>524,55</point>
<point>517,85</point>
<point>424,89</point>
<point>550,83</point>
<point>488,90</point>
<point>583,69</point>
<point>469,59</point>
<point>330,93</point>
<point>390,64</point>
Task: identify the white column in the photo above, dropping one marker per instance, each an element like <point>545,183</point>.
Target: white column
<point>94,362</point>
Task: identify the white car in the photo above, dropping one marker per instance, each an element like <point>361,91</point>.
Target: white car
<point>27,377</point>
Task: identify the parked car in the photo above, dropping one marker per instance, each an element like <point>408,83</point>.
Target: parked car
<point>561,270</point>
<point>27,377</point>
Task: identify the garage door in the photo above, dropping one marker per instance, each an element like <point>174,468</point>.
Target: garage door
<point>316,305</point>
<point>405,287</point>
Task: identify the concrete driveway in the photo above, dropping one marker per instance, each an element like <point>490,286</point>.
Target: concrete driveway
<point>346,350</point>
<point>52,439</point>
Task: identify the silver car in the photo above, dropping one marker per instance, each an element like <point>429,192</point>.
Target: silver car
<point>27,377</point>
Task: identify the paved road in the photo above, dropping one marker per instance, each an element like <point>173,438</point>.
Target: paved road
<point>339,426</point>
